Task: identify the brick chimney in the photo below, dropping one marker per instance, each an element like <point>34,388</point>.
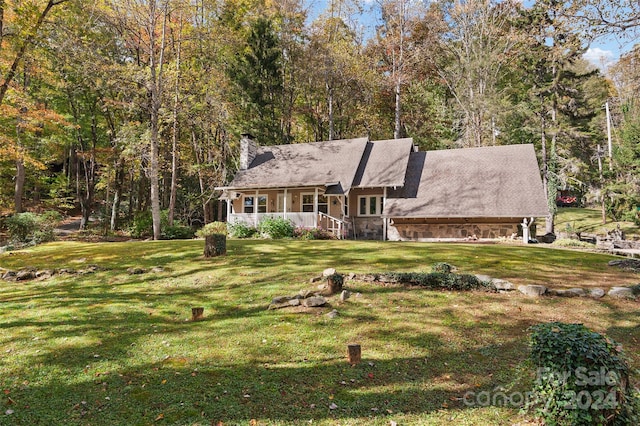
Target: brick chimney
<point>248,150</point>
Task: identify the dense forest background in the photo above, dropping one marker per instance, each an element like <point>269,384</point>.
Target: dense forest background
<point>122,109</point>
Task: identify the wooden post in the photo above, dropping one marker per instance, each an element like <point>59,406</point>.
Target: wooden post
<point>354,353</point>
<point>197,313</point>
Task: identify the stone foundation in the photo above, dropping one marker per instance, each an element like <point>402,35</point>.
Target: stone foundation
<point>367,228</point>
<point>450,231</point>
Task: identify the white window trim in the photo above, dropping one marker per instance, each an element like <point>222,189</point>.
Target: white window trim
<point>315,204</point>
<point>255,205</point>
<point>379,201</point>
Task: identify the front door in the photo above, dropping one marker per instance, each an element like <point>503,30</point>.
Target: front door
<point>281,203</point>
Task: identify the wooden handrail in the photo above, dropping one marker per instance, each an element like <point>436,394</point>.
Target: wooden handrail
<point>337,225</point>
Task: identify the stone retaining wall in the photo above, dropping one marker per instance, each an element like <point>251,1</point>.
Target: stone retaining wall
<point>418,232</point>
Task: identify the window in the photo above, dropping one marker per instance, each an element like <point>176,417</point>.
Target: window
<point>370,205</point>
<point>249,204</point>
<point>307,203</point>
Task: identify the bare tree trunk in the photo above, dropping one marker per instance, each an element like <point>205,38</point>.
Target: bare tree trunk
<point>198,156</point>
<point>397,123</point>
<point>117,194</point>
<point>19,188</point>
<point>174,141</point>
<point>330,101</point>
<point>155,88</point>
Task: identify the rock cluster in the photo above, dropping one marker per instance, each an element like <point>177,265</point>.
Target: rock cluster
<point>503,286</point>
<point>30,273</point>
<point>303,298</point>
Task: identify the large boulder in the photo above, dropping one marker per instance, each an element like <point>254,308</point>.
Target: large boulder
<point>572,292</point>
<point>503,285</point>
<point>25,274</point>
<point>596,293</point>
<point>314,302</point>
<point>621,293</point>
<point>532,290</point>
<point>328,272</point>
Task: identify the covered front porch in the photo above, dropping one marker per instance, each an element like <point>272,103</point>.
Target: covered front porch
<point>309,207</point>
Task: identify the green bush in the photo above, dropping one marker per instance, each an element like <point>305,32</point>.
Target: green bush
<point>582,377</point>
<point>276,227</point>
<point>212,228</point>
<point>241,230</point>
<point>436,280</point>
<point>177,232</point>
<point>142,227</point>
<point>32,228</point>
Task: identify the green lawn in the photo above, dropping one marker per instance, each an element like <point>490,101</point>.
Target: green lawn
<point>116,349</point>
<point>575,219</point>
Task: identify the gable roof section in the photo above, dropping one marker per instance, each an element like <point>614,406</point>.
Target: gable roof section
<point>384,163</point>
<point>330,163</point>
<point>497,181</point>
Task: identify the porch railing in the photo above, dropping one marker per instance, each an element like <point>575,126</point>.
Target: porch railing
<point>332,224</point>
<point>302,219</point>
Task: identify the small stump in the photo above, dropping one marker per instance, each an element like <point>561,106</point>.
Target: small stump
<point>334,283</point>
<point>354,354</point>
<point>215,245</point>
<point>197,313</point>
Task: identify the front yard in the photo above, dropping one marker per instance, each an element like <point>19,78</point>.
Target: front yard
<point>114,348</point>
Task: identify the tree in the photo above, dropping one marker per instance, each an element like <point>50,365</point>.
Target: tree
<point>142,24</point>
<point>477,52</point>
<point>23,38</point>
<point>554,50</point>
<point>257,73</point>
<point>394,37</point>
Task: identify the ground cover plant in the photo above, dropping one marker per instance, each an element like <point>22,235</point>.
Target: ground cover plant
<point>112,348</point>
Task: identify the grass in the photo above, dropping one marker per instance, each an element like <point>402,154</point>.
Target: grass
<point>117,349</point>
<point>590,221</point>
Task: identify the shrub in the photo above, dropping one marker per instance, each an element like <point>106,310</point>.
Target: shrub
<point>142,227</point>
<point>312,234</point>
<point>582,377</point>
<point>276,227</point>
<point>177,232</point>
<point>32,228</point>
<point>437,280</point>
<point>212,228</point>
<point>241,230</point>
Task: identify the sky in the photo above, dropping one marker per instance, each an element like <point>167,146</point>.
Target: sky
<point>602,52</point>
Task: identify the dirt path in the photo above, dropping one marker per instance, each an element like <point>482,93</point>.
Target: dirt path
<point>68,226</point>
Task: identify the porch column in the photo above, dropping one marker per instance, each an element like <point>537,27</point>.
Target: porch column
<point>229,201</point>
<point>315,208</point>
<point>384,219</point>
<point>255,210</point>
<point>284,203</point>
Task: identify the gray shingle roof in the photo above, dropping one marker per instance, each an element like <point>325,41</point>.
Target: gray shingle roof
<point>305,164</point>
<point>386,164</point>
<point>498,181</point>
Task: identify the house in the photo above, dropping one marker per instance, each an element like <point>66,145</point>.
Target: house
<point>387,189</point>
